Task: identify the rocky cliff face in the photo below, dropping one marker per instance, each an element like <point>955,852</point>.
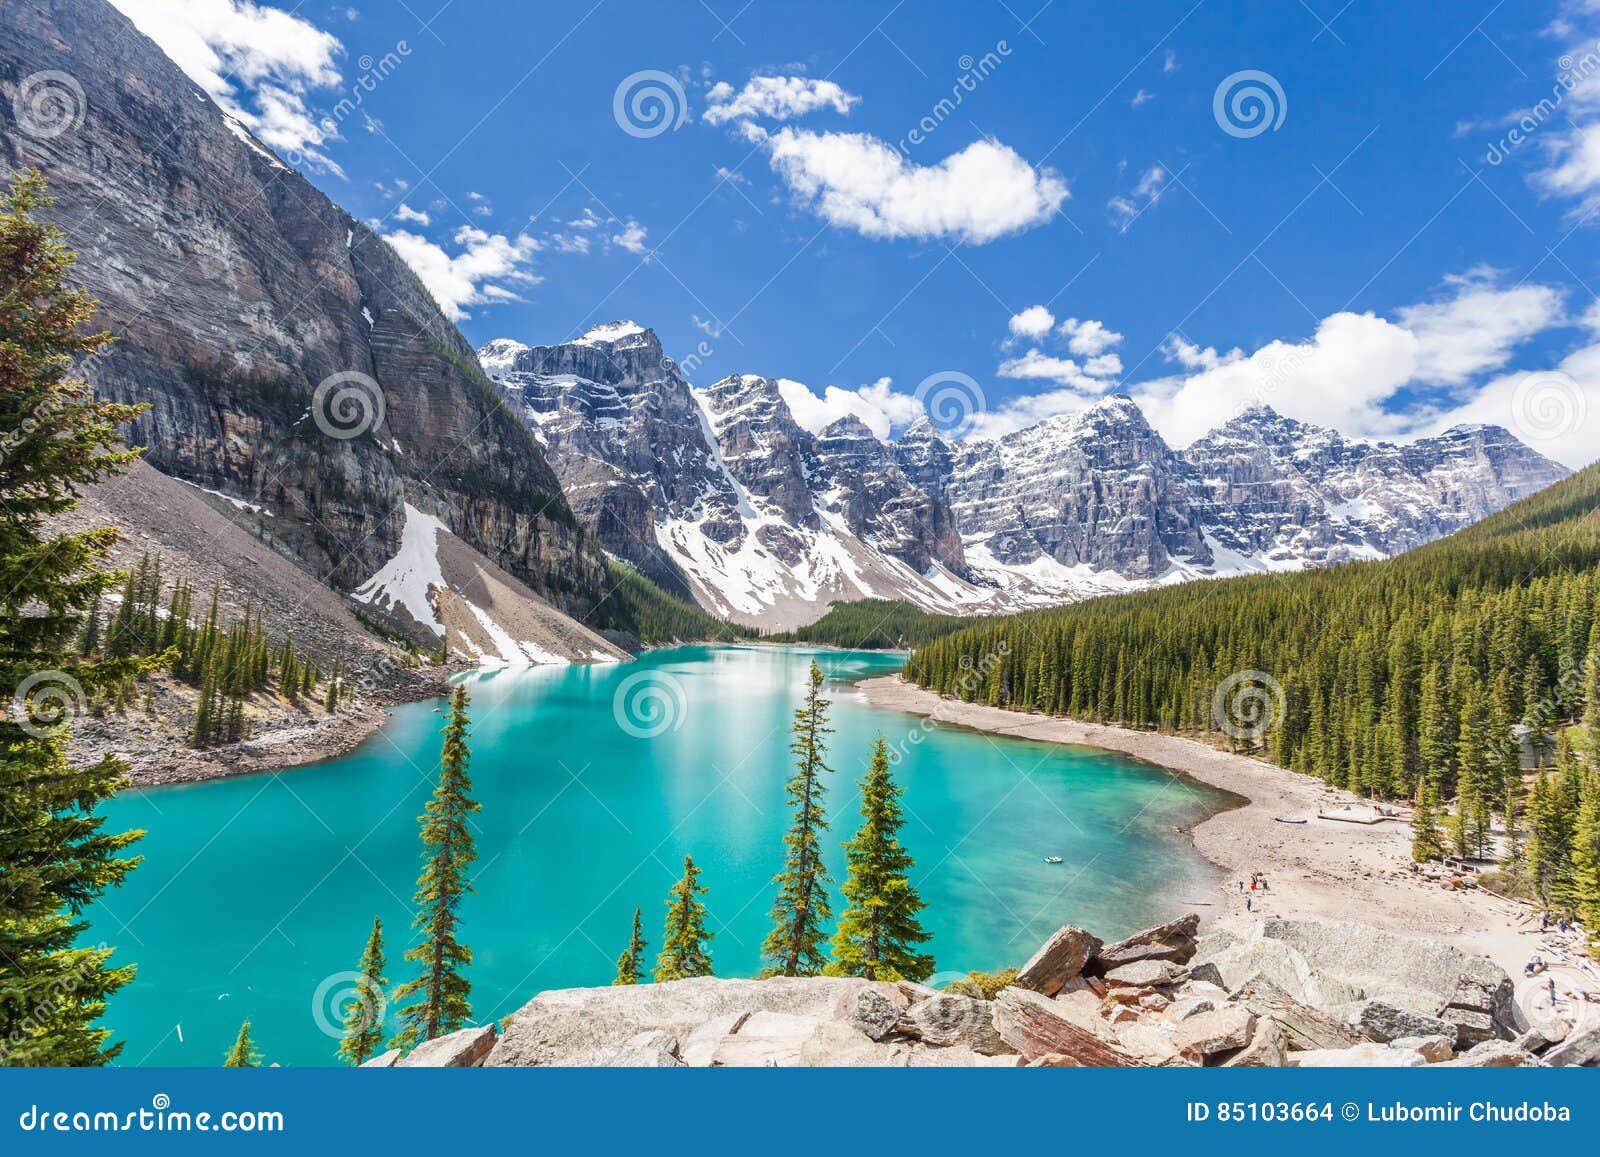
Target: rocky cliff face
<point>722,492</point>
<point>290,358</point>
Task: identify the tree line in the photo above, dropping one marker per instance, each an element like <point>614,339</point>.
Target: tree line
<point>226,664</point>
<point>1431,676</point>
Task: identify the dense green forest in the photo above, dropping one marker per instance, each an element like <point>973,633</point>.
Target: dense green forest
<point>1437,675</point>
<point>640,607</point>
<point>884,624</point>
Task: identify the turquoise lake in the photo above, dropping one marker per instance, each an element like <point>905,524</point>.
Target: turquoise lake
<point>257,892</point>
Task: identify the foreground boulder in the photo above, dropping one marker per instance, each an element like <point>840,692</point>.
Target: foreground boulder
<point>1059,959</point>
<point>1038,1026</point>
<point>1581,1048</point>
<point>459,1050</point>
<point>1174,942</point>
<point>564,1025</point>
<point>1275,993</point>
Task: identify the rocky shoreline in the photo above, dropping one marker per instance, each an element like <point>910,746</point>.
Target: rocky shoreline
<point>1346,862</point>
<point>1271,993</point>
<point>158,756</point>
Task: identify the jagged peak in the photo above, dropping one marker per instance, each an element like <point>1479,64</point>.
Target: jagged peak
<point>613,332</point>
<point>849,426</point>
<point>499,355</point>
<point>921,430</point>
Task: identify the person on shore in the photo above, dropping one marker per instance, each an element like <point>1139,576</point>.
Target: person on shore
<point>1247,903</point>
<point>1544,921</point>
<point>1552,992</point>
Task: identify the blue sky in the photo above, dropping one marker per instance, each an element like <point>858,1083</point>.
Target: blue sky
<point>1392,251</point>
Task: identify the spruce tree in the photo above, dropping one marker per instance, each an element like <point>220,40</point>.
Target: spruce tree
<point>243,1054</point>
<point>1427,841</point>
<point>683,940</point>
<point>55,857</point>
<point>363,1020</point>
<point>632,958</point>
<point>794,946</point>
<point>1586,861</point>
<point>879,931</point>
<point>440,994</point>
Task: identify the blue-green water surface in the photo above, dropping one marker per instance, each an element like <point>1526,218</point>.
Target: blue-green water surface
<point>256,892</point>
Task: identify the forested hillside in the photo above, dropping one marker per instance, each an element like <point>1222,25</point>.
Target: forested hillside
<point>1373,676</point>
<point>887,624</point>
<point>639,607</point>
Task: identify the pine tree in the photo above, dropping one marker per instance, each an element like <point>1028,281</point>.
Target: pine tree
<point>683,940</point>
<point>243,1054</point>
<point>1427,841</point>
<point>441,992</point>
<point>879,930</point>
<point>56,857</point>
<point>1586,861</point>
<point>794,946</point>
<point>632,958</point>
<point>363,1020</point>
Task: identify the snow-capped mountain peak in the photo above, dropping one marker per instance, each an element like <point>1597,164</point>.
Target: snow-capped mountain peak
<point>722,494</point>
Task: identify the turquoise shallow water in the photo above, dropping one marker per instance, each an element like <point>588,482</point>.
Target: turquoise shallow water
<point>255,891</point>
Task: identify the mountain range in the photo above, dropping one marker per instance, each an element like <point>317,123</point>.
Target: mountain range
<point>721,494</point>
<point>305,384</point>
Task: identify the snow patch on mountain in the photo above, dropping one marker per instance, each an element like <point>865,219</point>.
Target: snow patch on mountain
<point>410,578</point>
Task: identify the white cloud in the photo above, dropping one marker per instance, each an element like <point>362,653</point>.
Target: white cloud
<point>1143,96</point>
<point>259,64</point>
<point>570,242</point>
<point>879,405</point>
<point>407,213</point>
<point>1040,366</point>
<point>1477,329</point>
<point>1034,322</point>
<point>777,98</point>
<point>1088,338</point>
<point>1103,366</point>
<point>480,273</point>
<point>1124,210</point>
<point>856,181</point>
<point>631,237</point>
<point>1365,375</point>
<point>1169,63</point>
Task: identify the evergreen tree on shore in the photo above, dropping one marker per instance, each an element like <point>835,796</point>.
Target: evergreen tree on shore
<point>243,1054</point>
<point>879,931</point>
<point>363,1020</point>
<point>632,958</point>
<point>794,946</point>
<point>440,994</point>
<point>683,940</point>
<point>1427,841</point>
<point>55,857</point>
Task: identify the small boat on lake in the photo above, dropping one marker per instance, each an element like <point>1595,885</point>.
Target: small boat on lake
<point>1052,859</point>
